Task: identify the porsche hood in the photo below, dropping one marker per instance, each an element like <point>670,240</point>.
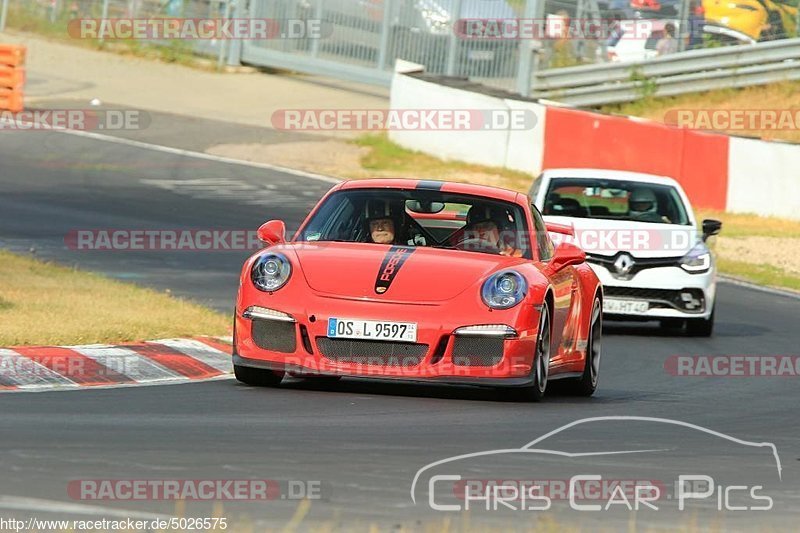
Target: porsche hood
<point>392,273</point>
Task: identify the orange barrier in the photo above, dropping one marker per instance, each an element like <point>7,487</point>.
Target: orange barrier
<point>12,77</point>
<point>12,54</point>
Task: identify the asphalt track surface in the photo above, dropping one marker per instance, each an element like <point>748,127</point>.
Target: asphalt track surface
<point>362,440</point>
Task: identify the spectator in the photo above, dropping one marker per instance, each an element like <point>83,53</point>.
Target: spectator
<point>667,44</point>
<point>695,23</point>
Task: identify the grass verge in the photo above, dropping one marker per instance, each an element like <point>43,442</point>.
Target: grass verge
<point>775,96</point>
<point>767,275</point>
<point>43,303</point>
<point>386,157</point>
<point>750,225</point>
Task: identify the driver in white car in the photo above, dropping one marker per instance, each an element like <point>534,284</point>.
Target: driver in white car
<point>643,206</point>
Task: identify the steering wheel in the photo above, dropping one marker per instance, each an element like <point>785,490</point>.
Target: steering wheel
<point>476,244</point>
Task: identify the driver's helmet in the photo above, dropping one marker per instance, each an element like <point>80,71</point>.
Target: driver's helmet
<point>378,209</point>
<point>642,201</point>
<point>487,213</point>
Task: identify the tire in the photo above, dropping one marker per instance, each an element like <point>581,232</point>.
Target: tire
<point>700,327</point>
<point>257,377</point>
<point>541,361</point>
<point>587,383</point>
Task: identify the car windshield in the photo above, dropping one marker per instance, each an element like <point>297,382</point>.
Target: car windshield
<point>420,218</point>
<point>616,200</point>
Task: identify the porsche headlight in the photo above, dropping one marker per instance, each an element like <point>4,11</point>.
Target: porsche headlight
<point>698,260</point>
<point>504,290</point>
<point>270,272</point>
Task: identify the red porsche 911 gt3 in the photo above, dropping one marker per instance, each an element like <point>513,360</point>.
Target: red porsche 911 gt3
<point>420,280</point>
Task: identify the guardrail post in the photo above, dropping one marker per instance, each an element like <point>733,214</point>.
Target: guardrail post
<point>3,15</point>
<point>104,15</point>
<point>534,9</point>
<point>454,44</point>
<point>223,43</point>
<point>235,48</point>
<point>318,18</point>
<point>384,46</point>
<point>683,31</point>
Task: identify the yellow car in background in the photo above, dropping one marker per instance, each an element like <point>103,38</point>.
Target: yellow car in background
<point>762,20</point>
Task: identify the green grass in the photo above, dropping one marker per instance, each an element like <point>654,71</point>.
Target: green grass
<point>761,274</point>
<point>43,303</point>
<point>752,225</point>
<point>775,96</point>
<point>387,156</point>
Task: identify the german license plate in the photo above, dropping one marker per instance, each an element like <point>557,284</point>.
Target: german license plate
<point>377,330</point>
<point>625,307</point>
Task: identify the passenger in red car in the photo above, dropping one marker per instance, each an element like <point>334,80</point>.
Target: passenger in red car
<point>483,220</point>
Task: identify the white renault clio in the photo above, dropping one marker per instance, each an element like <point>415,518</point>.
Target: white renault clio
<point>641,237</point>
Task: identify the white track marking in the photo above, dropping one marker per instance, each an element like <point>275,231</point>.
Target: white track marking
<point>77,388</point>
<point>769,290</point>
<point>187,153</point>
<point>28,374</point>
<point>18,503</point>
<point>200,351</point>
<point>128,363</point>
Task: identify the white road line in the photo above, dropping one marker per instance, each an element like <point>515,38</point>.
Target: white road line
<point>127,362</point>
<point>190,153</point>
<point>200,351</point>
<point>769,290</point>
<point>19,503</point>
<point>28,374</point>
<point>77,388</point>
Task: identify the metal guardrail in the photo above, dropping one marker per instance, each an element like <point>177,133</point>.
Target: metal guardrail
<point>696,70</point>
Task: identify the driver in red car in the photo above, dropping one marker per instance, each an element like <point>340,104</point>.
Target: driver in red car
<point>485,221</point>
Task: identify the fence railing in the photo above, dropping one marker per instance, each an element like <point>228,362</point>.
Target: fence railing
<point>366,36</point>
<point>696,70</point>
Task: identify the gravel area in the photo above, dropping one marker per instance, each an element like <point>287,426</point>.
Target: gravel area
<point>779,252</point>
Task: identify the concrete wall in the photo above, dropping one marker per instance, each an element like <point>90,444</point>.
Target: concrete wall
<point>717,171</point>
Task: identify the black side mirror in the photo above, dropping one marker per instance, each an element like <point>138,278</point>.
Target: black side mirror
<point>711,227</point>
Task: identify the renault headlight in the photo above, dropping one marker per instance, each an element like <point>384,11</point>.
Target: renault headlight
<point>504,290</point>
<point>270,272</point>
<point>698,260</point>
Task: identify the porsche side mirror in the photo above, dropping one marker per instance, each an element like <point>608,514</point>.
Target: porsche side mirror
<point>711,227</point>
<point>272,232</point>
<point>567,254</point>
